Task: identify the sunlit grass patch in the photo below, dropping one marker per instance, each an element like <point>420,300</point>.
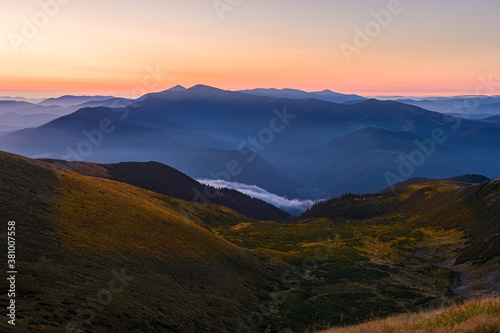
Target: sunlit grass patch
<point>471,316</point>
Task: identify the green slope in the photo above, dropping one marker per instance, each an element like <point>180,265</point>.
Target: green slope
<point>166,180</point>
<point>206,268</point>
<point>72,231</point>
<point>392,252</point>
<point>444,204</point>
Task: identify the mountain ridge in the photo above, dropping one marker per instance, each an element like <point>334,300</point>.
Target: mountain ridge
<point>175,127</point>
<point>326,95</point>
<point>168,181</point>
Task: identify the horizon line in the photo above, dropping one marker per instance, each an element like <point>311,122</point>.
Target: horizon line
<point>45,94</point>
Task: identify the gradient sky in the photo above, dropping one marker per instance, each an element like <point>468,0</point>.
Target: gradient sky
<point>105,47</point>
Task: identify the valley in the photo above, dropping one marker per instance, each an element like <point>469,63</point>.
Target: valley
<point>344,261</point>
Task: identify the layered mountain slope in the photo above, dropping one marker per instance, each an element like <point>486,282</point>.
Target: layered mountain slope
<point>325,95</point>
<point>177,127</point>
<point>368,159</point>
<point>26,108</point>
<point>466,106</point>
<point>242,166</point>
<point>69,100</point>
<point>26,115</point>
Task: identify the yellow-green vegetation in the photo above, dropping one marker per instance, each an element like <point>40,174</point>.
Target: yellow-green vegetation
<point>168,181</point>
<point>474,316</point>
<point>206,268</point>
<point>443,204</point>
<point>373,268</point>
<point>73,231</point>
<point>97,215</point>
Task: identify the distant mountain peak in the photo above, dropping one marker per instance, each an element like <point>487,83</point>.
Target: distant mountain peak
<point>202,90</point>
<point>203,87</point>
<point>177,88</point>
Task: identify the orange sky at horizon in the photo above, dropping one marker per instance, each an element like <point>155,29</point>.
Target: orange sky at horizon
<point>124,49</point>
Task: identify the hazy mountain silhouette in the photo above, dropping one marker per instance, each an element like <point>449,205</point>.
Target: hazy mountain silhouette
<point>69,100</point>
<point>325,95</point>
<point>111,102</point>
<point>24,114</point>
<point>357,162</point>
<point>256,172</point>
<point>326,148</point>
<point>26,108</point>
<point>463,106</point>
<point>21,99</point>
<point>32,120</point>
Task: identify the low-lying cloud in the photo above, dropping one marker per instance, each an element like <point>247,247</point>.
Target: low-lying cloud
<point>293,206</point>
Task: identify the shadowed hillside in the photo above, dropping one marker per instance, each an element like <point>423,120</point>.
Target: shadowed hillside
<point>165,180</point>
<point>73,231</point>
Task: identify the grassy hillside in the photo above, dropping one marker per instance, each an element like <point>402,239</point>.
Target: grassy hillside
<point>205,268</point>
<point>471,316</point>
<point>391,252</point>
<point>371,269</point>
<point>73,231</point>
<point>472,179</point>
<point>166,180</point>
<point>444,204</point>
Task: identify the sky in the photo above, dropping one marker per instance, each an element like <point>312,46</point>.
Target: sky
<point>423,47</point>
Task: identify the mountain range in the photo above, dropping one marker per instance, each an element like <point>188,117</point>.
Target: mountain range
<point>298,148</point>
<point>469,107</point>
<point>325,95</point>
<point>21,114</point>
